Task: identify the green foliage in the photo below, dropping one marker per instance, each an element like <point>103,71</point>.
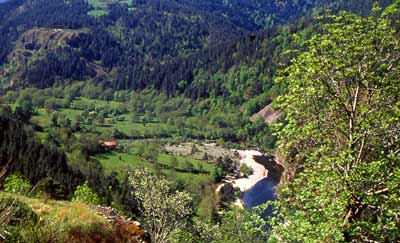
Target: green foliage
<point>191,88</point>
<point>35,232</point>
<point>15,212</point>
<point>148,151</point>
<point>188,166</point>
<point>174,162</point>
<point>236,226</point>
<point>217,174</point>
<point>245,170</point>
<point>57,222</point>
<point>164,211</point>
<point>84,193</point>
<point>152,115</point>
<point>17,184</point>
<point>342,109</point>
<point>227,165</point>
<point>28,157</point>
<point>200,232</point>
<point>151,152</point>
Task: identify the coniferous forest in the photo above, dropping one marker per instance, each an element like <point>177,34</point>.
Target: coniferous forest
<point>182,121</point>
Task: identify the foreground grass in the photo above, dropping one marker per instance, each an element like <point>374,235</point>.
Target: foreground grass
<point>61,221</point>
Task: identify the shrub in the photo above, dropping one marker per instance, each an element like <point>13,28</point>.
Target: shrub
<point>246,170</point>
<point>17,184</point>
<point>85,194</point>
<point>220,142</point>
<point>194,149</point>
<point>188,166</point>
<point>227,195</point>
<point>217,174</point>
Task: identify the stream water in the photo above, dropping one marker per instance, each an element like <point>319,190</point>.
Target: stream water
<point>262,192</point>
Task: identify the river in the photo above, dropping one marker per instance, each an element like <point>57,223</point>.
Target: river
<point>262,192</point>
<point>259,187</point>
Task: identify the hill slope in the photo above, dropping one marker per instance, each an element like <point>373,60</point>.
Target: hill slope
<point>130,42</point>
<point>40,220</point>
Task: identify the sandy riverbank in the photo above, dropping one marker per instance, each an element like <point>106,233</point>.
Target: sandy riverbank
<point>259,171</point>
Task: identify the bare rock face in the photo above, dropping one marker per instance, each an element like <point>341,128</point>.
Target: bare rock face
<point>268,114</point>
<point>33,45</point>
<point>41,38</point>
<point>275,169</point>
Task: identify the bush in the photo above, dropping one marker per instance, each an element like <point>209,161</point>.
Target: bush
<point>245,170</point>
<point>194,149</point>
<point>17,184</point>
<point>188,166</point>
<point>217,174</point>
<point>151,151</point>
<point>85,194</point>
<point>227,195</point>
<point>164,211</point>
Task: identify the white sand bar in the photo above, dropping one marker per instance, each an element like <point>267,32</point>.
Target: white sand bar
<point>259,171</point>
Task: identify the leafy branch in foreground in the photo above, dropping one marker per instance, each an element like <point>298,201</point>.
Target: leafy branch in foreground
<point>236,226</point>
<point>342,135</point>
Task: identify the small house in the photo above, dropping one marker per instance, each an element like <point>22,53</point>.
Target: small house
<point>112,144</point>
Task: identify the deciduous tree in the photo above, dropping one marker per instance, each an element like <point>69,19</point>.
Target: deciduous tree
<point>164,211</point>
<point>342,135</point>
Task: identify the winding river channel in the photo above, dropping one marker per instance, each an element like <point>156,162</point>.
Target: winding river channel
<point>259,187</point>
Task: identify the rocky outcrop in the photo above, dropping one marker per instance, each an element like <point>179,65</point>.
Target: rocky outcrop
<point>268,114</point>
<point>48,39</point>
<point>274,168</point>
<point>33,45</point>
<point>124,225</point>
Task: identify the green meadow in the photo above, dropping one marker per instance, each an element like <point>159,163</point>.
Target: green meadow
<point>100,6</point>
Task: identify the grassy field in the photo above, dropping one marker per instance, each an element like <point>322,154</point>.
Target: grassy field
<point>185,171</point>
<point>122,122</point>
<point>138,129</point>
<point>95,103</point>
<point>198,182</point>
<point>119,161</point>
<point>100,6</point>
<point>44,119</point>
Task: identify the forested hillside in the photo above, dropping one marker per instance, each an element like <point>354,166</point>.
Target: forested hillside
<point>141,44</point>
<point>153,110</point>
<point>197,50</point>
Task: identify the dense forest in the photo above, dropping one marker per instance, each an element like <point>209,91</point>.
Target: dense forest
<point>122,49</point>
<point>113,111</point>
